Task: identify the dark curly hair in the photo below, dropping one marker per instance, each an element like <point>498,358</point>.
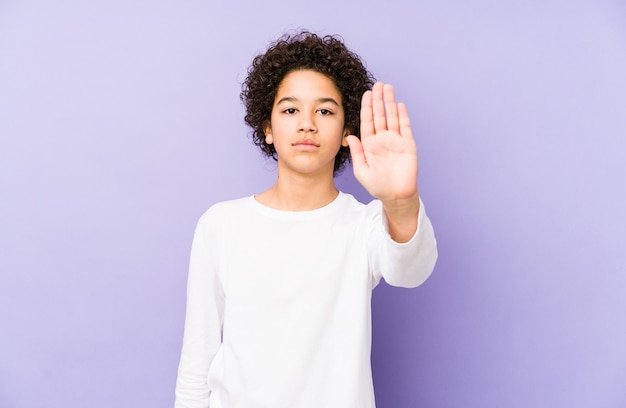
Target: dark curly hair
<point>327,55</point>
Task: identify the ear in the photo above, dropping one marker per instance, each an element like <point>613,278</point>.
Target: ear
<point>267,130</point>
<point>344,139</point>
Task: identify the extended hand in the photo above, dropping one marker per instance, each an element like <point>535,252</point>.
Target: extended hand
<point>385,159</point>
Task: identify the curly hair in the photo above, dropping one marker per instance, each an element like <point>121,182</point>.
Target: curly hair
<point>327,55</point>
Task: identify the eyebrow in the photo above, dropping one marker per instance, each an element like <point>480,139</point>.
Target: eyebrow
<point>318,100</point>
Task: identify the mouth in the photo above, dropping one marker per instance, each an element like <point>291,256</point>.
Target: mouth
<point>305,145</point>
<point>306,142</point>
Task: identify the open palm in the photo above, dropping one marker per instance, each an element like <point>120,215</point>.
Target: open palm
<point>385,159</point>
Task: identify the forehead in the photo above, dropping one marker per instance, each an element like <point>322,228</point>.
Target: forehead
<point>308,84</point>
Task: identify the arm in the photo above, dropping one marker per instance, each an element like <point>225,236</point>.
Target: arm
<point>203,321</point>
<point>385,163</point>
<point>385,159</point>
<point>406,264</point>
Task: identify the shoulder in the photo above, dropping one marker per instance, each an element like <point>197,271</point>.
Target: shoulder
<point>224,210</point>
<point>363,214</point>
<point>349,202</point>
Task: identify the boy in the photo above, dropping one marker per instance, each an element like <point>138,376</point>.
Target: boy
<point>280,283</point>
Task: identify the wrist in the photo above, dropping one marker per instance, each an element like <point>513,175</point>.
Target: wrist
<point>402,206</point>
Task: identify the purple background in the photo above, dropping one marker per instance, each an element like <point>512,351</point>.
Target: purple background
<point>120,123</point>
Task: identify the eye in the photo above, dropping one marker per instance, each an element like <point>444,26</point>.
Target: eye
<point>325,112</point>
<point>289,111</point>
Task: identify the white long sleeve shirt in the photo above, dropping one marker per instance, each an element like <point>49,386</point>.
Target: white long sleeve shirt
<point>278,303</point>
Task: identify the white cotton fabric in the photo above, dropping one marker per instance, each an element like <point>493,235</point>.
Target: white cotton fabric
<point>278,303</point>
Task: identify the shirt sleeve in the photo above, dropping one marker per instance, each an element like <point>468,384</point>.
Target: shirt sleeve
<point>203,320</point>
<point>406,264</point>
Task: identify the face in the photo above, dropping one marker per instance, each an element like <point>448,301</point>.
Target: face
<point>307,123</point>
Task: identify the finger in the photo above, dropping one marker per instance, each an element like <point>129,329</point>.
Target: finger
<point>357,154</point>
<point>404,121</point>
<point>367,117</point>
<point>391,108</point>
<point>378,108</point>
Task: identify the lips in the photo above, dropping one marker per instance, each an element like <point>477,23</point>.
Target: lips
<point>306,142</point>
<point>306,145</point>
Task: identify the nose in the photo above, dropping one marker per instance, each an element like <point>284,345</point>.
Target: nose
<point>307,123</point>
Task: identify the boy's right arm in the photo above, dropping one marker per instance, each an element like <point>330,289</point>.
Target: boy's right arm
<point>203,321</point>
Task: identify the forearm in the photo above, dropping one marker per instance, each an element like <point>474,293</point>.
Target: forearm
<point>402,217</point>
<point>406,264</point>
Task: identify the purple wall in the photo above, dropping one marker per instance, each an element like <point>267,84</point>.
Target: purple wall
<point>120,123</point>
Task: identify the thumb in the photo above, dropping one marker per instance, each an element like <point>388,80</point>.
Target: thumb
<point>356,152</point>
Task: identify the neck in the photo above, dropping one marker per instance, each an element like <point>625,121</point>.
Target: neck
<point>299,193</point>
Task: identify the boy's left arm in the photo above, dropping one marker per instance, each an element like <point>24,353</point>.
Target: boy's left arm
<point>385,159</point>
<point>402,218</point>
